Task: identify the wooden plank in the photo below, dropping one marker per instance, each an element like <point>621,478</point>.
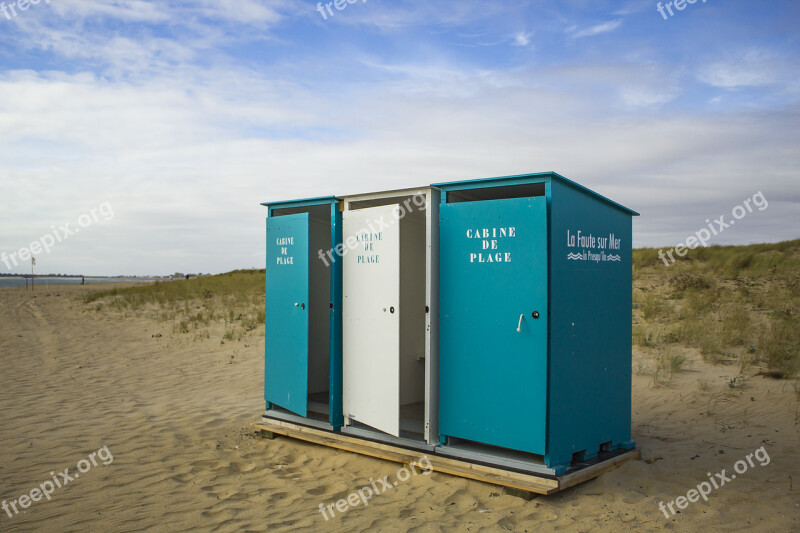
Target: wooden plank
<point>457,467</point>
<point>495,476</point>
<point>524,482</point>
<point>585,474</point>
<point>447,465</point>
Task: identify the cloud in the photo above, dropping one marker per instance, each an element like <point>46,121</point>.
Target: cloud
<point>597,29</point>
<point>401,15</point>
<point>247,12</point>
<point>753,68</point>
<point>522,38</point>
<point>136,38</point>
<point>164,149</point>
<point>125,11</point>
<point>185,115</point>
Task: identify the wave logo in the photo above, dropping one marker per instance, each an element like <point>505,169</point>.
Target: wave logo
<point>575,257</point>
<point>614,257</point>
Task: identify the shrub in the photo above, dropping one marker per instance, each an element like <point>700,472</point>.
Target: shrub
<point>689,281</point>
<point>779,347</point>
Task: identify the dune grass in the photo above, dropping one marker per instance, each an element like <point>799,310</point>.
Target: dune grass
<point>736,304</point>
<point>234,300</point>
<point>729,261</point>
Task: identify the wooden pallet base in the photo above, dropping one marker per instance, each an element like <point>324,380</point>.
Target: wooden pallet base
<point>458,467</point>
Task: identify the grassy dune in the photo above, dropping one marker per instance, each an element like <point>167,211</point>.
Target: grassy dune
<point>234,300</point>
<point>734,304</point>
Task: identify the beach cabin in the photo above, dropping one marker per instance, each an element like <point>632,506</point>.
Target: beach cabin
<point>535,322</point>
<point>303,312</point>
<point>390,312</point>
<point>483,323</point>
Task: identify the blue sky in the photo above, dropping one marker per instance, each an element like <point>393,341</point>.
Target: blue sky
<point>184,116</point>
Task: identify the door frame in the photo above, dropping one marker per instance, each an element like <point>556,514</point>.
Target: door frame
<point>432,200</point>
<point>274,209</point>
<point>539,346</point>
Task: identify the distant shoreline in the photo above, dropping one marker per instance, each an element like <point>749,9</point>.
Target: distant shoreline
<point>8,282</point>
<point>53,276</point>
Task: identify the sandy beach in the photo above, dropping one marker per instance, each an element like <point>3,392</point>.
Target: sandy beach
<point>174,411</point>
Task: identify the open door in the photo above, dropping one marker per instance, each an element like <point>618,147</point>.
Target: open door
<point>286,323</point>
<point>493,322</point>
<point>371,316</point>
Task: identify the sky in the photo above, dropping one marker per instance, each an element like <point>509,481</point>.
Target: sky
<point>156,129</point>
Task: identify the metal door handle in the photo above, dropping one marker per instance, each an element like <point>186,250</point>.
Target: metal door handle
<point>519,326</point>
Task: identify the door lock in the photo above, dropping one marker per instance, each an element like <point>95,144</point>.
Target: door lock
<point>535,314</point>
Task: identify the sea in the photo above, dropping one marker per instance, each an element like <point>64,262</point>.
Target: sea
<point>10,281</point>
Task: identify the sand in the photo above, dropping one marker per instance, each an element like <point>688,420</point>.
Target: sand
<point>174,411</point>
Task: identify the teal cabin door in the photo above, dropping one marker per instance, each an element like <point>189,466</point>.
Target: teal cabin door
<point>493,322</point>
<point>286,322</point>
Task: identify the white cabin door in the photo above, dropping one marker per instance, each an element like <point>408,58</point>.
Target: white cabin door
<point>371,317</point>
